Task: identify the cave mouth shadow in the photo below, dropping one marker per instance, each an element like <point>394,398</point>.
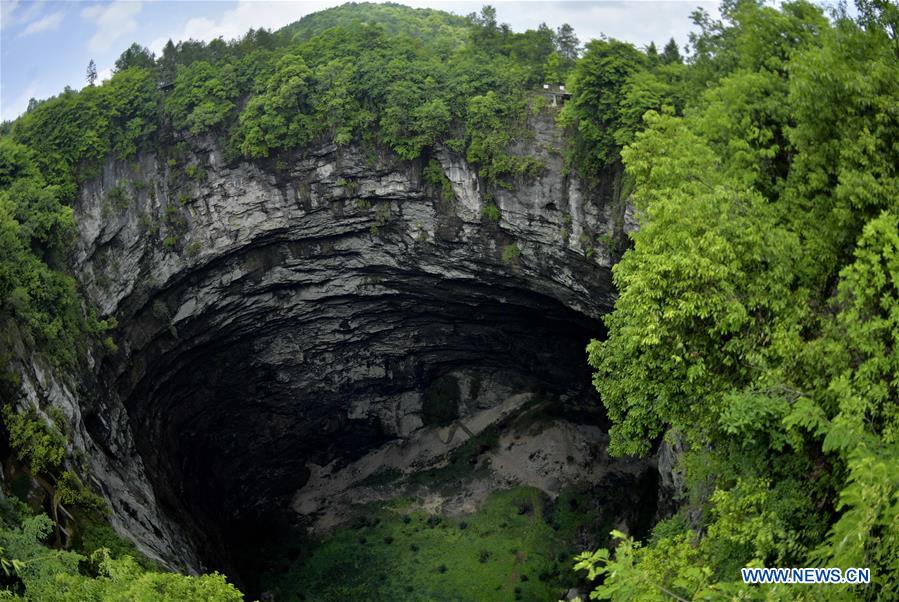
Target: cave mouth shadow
<point>233,410</point>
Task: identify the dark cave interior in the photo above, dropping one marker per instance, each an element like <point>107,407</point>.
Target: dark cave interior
<point>230,405</point>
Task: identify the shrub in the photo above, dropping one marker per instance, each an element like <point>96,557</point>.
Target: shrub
<point>193,248</point>
<point>41,446</point>
<point>434,176</point>
<point>511,253</point>
<point>117,197</point>
<point>491,212</point>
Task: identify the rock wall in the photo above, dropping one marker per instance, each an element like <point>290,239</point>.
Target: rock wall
<point>272,317</point>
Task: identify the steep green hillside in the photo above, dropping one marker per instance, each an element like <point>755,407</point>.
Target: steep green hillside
<point>426,24</point>
<point>757,329</point>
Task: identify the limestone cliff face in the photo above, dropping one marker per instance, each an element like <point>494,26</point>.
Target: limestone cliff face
<point>270,318</point>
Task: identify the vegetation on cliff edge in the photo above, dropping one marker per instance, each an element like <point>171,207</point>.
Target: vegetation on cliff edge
<point>757,329</point>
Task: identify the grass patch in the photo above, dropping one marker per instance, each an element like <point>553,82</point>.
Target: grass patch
<point>516,546</point>
<point>463,463</point>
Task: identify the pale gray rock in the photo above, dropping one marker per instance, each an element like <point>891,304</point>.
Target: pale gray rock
<point>274,318</point>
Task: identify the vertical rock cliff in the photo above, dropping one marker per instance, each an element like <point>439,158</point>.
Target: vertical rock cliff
<point>277,318</point>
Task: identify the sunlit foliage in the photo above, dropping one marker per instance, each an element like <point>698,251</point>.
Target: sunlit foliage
<point>758,323</point>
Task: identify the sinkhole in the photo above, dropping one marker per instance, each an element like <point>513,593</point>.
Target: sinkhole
<point>252,368</point>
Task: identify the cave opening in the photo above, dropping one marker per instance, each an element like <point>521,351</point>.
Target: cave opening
<point>235,389</point>
<point>228,427</point>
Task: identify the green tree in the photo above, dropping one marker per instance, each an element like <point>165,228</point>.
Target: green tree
<point>486,33</point>
<point>203,97</point>
<point>566,42</point>
<point>671,53</point>
<point>857,414</point>
<point>35,442</point>
<point>554,70</point>
<point>91,73</point>
<point>594,112</point>
<point>168,62</point>
<point>756,323</point>
<point>685,310</point>
<point>489,137</point>
<point>652,54</point>
<point>135,56</point>
<point>54,575</point>
<point>278,118</point>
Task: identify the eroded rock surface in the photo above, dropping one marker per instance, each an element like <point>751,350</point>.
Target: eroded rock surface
<point>281,318</point>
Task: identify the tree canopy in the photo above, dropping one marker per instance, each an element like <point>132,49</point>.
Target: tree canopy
<point>756,327</point>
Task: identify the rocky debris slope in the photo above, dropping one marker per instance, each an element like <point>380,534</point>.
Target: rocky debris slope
<point>452,469</point>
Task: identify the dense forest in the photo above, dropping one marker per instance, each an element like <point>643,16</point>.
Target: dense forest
<point>757,328</point>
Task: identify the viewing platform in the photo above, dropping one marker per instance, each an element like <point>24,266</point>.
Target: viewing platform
<point>556,94</point>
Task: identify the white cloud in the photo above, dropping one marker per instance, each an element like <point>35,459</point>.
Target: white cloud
<point>158,44</point>
<point>49,23</point>
<point>636,21</point>
<point>17,107</point>
<point>11,15</point>
<point>104,74</point>
<point>113,21</point>
<point>7,10</point>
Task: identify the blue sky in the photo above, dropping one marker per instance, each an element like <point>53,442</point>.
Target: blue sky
<point>46,45</point>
